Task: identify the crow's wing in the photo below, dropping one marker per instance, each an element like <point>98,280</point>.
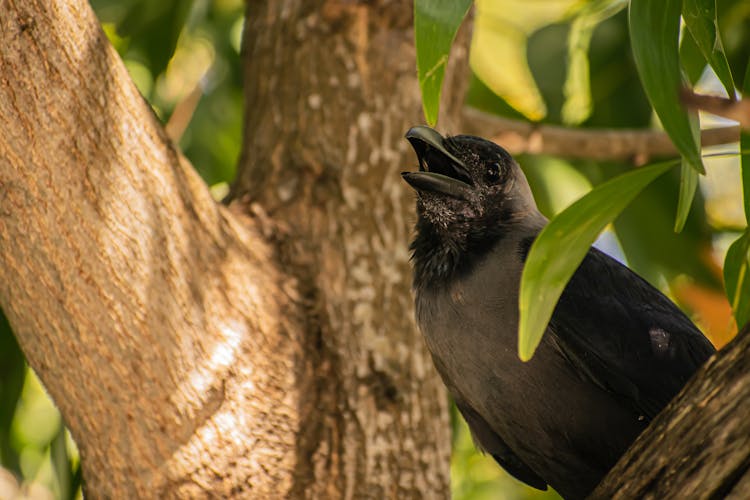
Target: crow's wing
<point>625,335</point>
<point>486,439</point>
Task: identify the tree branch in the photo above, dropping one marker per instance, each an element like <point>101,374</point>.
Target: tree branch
<point>732,109</point>
<point>152,315</point>
<point>637,146</point>
<point>699,446</point>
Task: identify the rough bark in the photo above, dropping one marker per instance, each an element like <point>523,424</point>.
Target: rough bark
<point>194,351</point>
<point>699,446</point>
<point>162,326</point>
<point>330,91</point>
<point>197,352</point>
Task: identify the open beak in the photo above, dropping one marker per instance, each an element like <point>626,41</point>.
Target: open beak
<point>439,170</point>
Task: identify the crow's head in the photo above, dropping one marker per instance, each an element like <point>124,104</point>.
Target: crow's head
<point>470,193</point>
<point>467,187</point>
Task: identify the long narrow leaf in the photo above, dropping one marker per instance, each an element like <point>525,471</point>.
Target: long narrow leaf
<point>744,154</point>
<point>700,19</point>
<point>498,54</point>
<point>691,59</point>
<point>737,261</point>
<point>654,33</point>
<point>688,184</point>
<point>736,279</point>
<point>745,170</point>
<point>577,88</point>
<point>435,25</point>
<point>563,243</point>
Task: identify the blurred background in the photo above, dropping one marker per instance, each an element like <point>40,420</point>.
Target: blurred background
<point>564,62</point>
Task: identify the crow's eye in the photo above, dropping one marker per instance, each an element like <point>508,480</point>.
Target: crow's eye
<point>493,172</point>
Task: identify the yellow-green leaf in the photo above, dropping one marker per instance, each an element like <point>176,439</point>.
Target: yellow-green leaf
<point>577,89</point>
<point>563,243</point>
<point>498,48</point>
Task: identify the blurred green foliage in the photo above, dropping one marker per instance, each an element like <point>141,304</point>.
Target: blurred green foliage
<point>172,47</point>
<point>34,445</point>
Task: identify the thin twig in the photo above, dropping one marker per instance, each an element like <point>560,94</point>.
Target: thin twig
<point>633,145</point>
<point>183,113</point>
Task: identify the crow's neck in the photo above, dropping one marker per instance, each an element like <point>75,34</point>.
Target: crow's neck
<point>441,255</point>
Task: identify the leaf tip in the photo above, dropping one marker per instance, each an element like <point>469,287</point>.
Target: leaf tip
<point>699,167</point>
<point>526,346</point>
<point>524,355</point>
<point>430,115</point>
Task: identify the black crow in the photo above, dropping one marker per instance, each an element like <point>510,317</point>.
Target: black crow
<point>614,354</point>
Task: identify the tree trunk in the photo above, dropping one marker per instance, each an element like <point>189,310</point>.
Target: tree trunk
<point>194,351</point>
<point>699,446</point>
<point>161,325</point>
<point>330,91</point>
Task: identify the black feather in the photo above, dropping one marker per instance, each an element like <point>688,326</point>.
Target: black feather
<point>615,352</point>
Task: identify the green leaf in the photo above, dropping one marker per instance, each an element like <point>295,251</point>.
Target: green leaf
<point>745,171</point>
<point>691,58</point>
<point>654,34</point>
<point>745,153</point>
<point>577,89</point>
<point>61,463</point>
<point>688,184</point>
<point>737,261</point>
<point>736,279</point>
<point>498,53</point>
<point>700,20</point>
<point>435,25</point>
<point>563,243</point>
<point>645,230</point>
<point>153,29</point>
<point>12,374</point>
